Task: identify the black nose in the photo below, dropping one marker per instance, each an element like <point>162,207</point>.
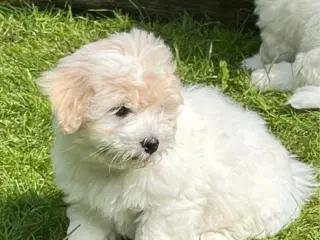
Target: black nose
<point>150,145</point>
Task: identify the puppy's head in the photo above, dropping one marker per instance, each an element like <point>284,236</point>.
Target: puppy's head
<point>119,94</point>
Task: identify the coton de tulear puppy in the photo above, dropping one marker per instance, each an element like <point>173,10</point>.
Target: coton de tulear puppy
<point>140,156</point>
<point>289,57</point>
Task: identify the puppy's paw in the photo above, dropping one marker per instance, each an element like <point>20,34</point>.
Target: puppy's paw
<point>260,79</point>
<point>307,97</point>
<point>212,236</point>
<point>273,77</point>
<point>82,229</point>
<point>252,63</point>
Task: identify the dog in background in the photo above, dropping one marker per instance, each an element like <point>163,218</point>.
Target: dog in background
<point>289,56</point>
<point>138,155</point>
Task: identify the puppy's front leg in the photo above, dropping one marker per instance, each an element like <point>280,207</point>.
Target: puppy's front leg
<point>176,225</point>
<point>88,227</point>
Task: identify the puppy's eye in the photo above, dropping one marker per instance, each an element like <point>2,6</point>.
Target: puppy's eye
<point>123,111</point>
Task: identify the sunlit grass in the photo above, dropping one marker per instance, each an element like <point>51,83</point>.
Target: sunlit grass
<point>32,41</point>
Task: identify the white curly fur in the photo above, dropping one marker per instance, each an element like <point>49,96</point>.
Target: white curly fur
<point>289,56</point>
<point>217,174</point>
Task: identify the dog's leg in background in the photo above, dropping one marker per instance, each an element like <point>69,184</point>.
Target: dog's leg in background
<point>284,76</point>
<point>271,51</point>
<point>307,66</point>
<point>271,64</point>
<point>278,76</point>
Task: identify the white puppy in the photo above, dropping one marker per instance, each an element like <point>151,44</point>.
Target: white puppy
<point>289,57</point>
<point>140,156</point>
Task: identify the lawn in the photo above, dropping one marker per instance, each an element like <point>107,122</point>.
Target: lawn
<point>32,41</point>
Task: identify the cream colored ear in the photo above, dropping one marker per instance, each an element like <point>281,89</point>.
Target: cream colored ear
<point>69,94</point>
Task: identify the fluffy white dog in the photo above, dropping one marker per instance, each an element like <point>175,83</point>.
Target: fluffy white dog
<point>140,156</point>
<point>289,57</point>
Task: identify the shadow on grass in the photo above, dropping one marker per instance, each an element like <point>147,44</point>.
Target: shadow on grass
<point>31,216</point>
<point>34,217</point>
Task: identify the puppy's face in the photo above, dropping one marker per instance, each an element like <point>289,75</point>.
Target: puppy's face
<point>120,95</point>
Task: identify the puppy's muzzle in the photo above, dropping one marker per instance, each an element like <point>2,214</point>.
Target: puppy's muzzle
<point>150,145</point>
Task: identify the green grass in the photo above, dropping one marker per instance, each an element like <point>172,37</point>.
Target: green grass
<point>32,41</point>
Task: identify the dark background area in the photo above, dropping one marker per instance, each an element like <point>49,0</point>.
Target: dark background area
<point>235,13</point>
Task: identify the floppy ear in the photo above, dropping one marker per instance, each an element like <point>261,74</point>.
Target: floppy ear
<point>69,94</point>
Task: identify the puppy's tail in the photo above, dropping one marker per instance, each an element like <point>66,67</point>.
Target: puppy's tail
<point>307,97</point>
<point>305,180</point>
